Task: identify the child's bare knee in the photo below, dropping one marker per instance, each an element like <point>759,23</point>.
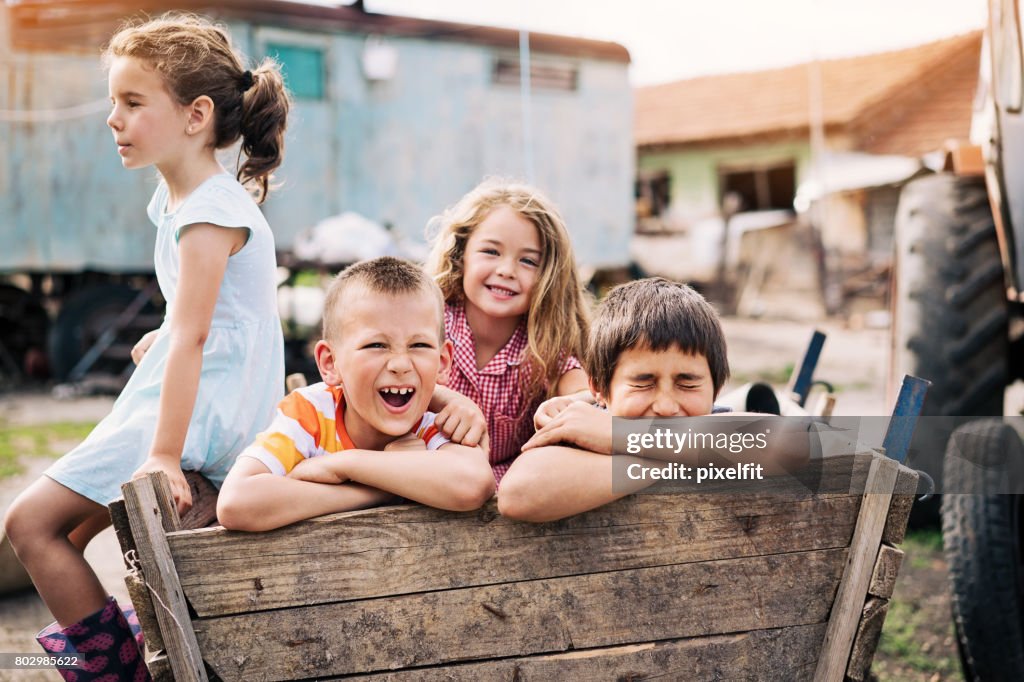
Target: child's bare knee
<point>21,525</point>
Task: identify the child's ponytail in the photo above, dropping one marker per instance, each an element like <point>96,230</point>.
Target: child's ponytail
<point>264,115</point>
<point>195,58</point>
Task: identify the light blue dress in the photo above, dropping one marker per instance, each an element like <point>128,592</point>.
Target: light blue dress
<point>243,360</point>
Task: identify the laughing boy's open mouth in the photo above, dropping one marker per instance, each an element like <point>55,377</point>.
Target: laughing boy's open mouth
<point>397,397</point>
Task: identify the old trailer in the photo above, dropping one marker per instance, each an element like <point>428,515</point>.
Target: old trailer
<point>394,119</point>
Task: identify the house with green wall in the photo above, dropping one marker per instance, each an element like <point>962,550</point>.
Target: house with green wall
<point>835,139</point>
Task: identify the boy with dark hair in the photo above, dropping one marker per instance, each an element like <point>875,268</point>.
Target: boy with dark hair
<point>656,349</point>
<point>363,436</point>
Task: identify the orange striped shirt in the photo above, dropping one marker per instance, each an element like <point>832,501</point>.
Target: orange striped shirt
<point>309,423</point>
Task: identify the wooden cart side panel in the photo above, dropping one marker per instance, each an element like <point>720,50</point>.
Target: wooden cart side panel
<point>525,618</point>
<point>425,549</point>
<point>142,601</point>
<point>887,568</point>
<point>413,550</point>
<point>849,602</point>
<point>869,630</point>
<point>203,511</point>
<point>780,654</point>
<point>151,514</point>
<point>899,509</point>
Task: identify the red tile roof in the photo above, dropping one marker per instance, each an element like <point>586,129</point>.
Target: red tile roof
<point>902,102</point>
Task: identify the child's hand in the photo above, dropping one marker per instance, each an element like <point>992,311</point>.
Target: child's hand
<point>579,423</point>
<point>462,422</point>
<point>140,349</point>
<point>179,486</point>
<point>549,409</point>
<point>318,470</point>
<point>408,442</point>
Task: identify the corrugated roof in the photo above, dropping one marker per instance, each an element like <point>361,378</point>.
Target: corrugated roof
<point>86,24</point>
<point>895,102</point>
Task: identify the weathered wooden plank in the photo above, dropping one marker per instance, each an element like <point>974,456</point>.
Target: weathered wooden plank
<point>523,618</point>
<point>404,550</point>
<point>887,568</point>
<point>849,602</point>
<point>143,605</point>
<point>868,632</point>
<point>122,528</point>
<point>141,599</point>
<point>770,655</point>
<point>160,669</point>
<point>899,509</point>
<point>203,511</point>
<point>148,503</point>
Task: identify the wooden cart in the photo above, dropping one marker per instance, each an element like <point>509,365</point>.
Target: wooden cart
<point>774,584</point>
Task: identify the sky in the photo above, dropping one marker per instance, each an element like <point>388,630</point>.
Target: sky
<point>676,39</point>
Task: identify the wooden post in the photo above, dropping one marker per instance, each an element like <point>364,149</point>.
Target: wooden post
<point>151,513</point>
<point>849,604</point>
<point>137,591</point>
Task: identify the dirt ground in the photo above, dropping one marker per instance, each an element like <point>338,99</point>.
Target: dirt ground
<point>917,644</point>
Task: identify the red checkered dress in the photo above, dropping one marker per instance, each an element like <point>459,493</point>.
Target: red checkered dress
<point>495,388</point>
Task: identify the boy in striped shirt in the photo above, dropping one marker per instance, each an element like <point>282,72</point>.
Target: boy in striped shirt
<point>363,436</point>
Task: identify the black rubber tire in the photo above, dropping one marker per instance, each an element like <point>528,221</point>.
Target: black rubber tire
<point>950,313</point>
<point>82,319</point>
<point>951,310</point>
<point>982,542</point>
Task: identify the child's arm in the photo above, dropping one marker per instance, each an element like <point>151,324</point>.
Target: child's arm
<point>254,499</point>
<point>458,417</point>
<point>550,481</point>
<point>203,250</point>
<point>454,477</point>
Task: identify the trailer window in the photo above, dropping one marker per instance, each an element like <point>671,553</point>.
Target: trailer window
<point>1006,50</point>
<point>543,75</point>
<point>303,69</point>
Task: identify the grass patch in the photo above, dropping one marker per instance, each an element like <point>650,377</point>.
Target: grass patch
<point>308,278</point>
<point>41,440</point>
<point>917,641</point>
<point>921,544</point>
<point>902,639</point>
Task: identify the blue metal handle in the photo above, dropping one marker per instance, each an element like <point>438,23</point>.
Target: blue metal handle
<point>804,378</point>
<point>904,417</point>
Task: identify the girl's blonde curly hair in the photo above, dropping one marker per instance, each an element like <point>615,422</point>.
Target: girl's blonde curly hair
<point>558,319</point>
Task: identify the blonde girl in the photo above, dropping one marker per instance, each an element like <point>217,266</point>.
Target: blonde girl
<point>516,313</point>
<point>208,379</point>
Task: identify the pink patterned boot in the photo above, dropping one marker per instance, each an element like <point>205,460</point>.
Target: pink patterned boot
<point>106,648</point>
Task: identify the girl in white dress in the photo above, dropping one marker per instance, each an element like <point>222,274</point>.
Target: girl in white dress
<point>208,379</point>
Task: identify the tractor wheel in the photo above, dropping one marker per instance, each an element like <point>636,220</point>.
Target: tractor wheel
<point>950,312</point>
<point>981,529</point>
